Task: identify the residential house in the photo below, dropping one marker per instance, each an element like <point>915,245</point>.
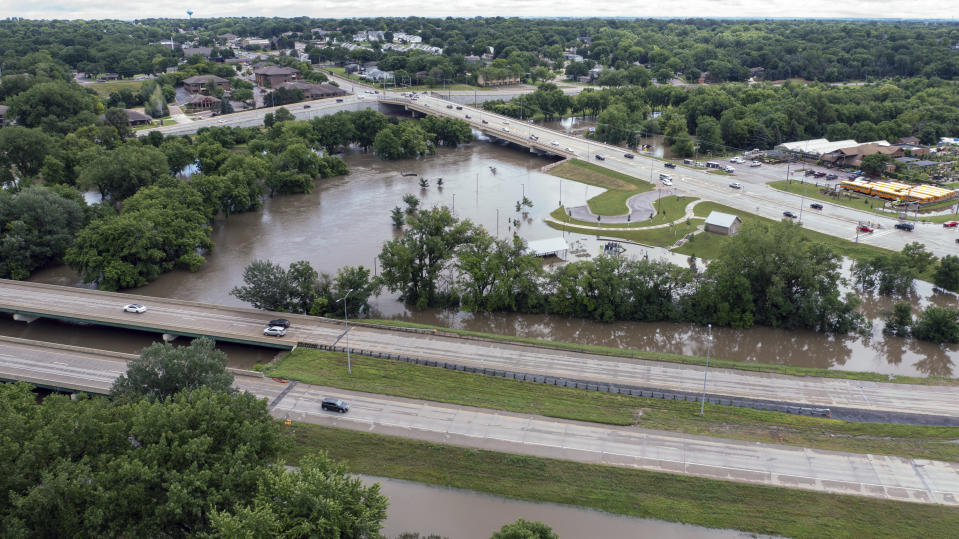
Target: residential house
<point>911,141</point>
<point>3,115</point>
<point>724,224</point>
<point>472,59</point>
<point>274,76</point>
<point>351,68</point>
<point>595,72</point>
<point>134,117</point>
<point>407,38</point>
<point>315,91</point>
<point>203,102</point>
<point>205,52</point>
<point>197,83</point>
<point>109,76</point>
<point>255,42</point>
<point>376,75</point>
<point>227,38</point>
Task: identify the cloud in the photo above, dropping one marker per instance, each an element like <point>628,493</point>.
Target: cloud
<point>134,9</point>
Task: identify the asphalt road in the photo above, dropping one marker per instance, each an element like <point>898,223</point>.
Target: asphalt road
<point>175,316</point>
<point>894,478</point>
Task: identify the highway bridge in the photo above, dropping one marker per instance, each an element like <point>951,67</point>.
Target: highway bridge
<point>877,476</point>
<point>890,402</point>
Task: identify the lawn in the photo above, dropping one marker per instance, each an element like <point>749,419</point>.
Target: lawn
<point>708,246</point>
<point>103,89</point>
<point>704,502</point>
<point>658,237</point>
<point>619,187</point>
<point>442,385</point>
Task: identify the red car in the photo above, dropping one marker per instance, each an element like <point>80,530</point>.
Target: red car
<point>951,224</point>
<point>865,228</point>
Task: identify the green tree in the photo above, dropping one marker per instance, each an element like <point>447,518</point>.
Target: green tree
<point>891,274</point>
<point>709,134</point>
<point>398,217</point>
<point>56,106</point>
<point>363,286</point>
<point>947,273</point>
<point>37,225</point>
<point>875,165</point>
<point>412,263</point>
<point>319,499</point>
<point>265,286</point>
<point>525,529</point>
<point>163,370</point>
<point>121,172</point>
<point>496,275</point>
<point>937,324</point>
<point>117,118</point>
<point>898,320</point>
<point>22,148</point>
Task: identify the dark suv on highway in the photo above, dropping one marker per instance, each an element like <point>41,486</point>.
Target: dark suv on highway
<point>905,226</point>
<point>335,405</point>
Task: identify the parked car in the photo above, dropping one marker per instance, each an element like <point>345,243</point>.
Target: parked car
<point>905,226</point>
<point>275,331</point>
<point>865,228</point>
<point>950,224</point>
<point>852,176</point>
<point>789,214</point>
<point>831,176</point>
<point>335,405</point>
<point>135,308</point>
<point>628,155</point>
<point>728,169</point>
<point>600,157</point>
<point>670,165</point>
<point>736,185</point>
<point>819,174</point>
<point>755,164</point>
<point>282,322</point>
<point>816,206</point>
<point>809,172</point>
<point>738,160</point>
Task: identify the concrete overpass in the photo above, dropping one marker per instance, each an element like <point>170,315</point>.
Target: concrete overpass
<point>876,476</point>
<point>874,401</point>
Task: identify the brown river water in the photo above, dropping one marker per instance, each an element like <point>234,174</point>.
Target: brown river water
<point>346,220</point>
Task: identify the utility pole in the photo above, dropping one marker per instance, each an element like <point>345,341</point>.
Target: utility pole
<point>346,314</point>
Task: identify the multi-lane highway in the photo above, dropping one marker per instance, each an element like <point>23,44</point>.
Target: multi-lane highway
<point>876,476</point>
<point>239,324</point>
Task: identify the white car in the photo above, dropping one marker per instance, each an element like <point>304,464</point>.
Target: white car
<point>135,308</point>
<point>667,181</point>
<point>275,331</point>
<point>729,169</point>
<point>755,164</point>
<point>737,160</point>
<point>553,143</point>
<point>568,149</point>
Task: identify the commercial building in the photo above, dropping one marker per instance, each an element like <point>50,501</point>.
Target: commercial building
<point>196,83</point>
<point>274,76</point>
<point>814,148</point>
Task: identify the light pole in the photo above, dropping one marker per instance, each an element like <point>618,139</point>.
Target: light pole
<point>346,314</point>
<point>709,342</point>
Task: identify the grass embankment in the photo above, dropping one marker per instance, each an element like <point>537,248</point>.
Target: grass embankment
<point>668,209</point>
<point>442,385</point>
<point>677,358</point>
<point>619,187</point>
<point>658,237</point>
<point>708,246</point>
<point>638,493</point>
<point>103,89</point>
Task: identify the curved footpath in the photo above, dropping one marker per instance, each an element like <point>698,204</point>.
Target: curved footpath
<point>583,213</point>
<point>936,403</point>
<point>894,478</point>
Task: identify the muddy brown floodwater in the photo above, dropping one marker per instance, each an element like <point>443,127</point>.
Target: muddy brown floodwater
<point>346,220</point>
<point>464,514</point>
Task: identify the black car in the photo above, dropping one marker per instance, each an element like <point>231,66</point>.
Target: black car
<point>831,176</point>
<point>628,155</point>
<point>600,157</point>
<point>789,214</point>
<point>809,172</point>
<point>670,165</point>
<point>335,405</point>
<point>816,206</point>
<point>282,322</point>
<point>449,106</point>
<point>905,226</point>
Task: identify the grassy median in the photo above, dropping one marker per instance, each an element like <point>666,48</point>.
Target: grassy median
<point>704,502</point>
<point>441,385</point>
<point>619,187</point>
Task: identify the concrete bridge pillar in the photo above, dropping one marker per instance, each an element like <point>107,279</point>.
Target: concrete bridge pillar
<point>24,317</point>
<point>169,337</point>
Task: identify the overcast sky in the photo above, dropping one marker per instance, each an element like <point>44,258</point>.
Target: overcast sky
<point>132,9</point>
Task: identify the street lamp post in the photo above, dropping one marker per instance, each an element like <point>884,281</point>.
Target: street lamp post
<point>346,314</point>
<point>709,342</point>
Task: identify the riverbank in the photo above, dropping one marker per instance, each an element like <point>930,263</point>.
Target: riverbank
<point>441,385</point>
<point>691,500</point>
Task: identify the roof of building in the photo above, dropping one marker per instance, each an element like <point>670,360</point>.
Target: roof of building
<point>724,220</point>
<point>905,159</point>
<point>202,51</point>
<point>132,116</point>
<point>817,146</point>
<point>869,148</point>
<point>202,99</point>
<point>547,247</point>
<point>925,163</point>
<point>909,140</point>
<point>203,79</point>
<point>276,70</point>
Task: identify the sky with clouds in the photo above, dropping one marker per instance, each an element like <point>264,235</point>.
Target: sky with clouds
<point>132,9</point>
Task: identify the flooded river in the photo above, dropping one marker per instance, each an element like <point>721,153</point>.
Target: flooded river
<point>463,514</point>
<point>346,220</point>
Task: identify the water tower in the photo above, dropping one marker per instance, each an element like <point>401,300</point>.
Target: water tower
<point>189,14</point>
